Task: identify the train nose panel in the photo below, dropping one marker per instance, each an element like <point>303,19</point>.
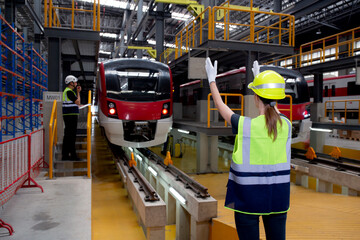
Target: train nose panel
<point>139,131</point>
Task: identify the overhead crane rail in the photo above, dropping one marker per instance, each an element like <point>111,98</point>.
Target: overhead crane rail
<point>338,162</point>
<point>197,188</point>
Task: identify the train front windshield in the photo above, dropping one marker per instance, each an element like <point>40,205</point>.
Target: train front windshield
<point>297,88</point>
<point>138,84</point>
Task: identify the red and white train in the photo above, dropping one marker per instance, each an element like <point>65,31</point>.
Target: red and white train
<point>135,98</point>
<point>340,88</point>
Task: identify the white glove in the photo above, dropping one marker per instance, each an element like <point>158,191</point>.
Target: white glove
<point>211,70</point>
<point>256,68</point>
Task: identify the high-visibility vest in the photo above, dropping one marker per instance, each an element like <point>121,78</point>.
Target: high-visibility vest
<point>69,107</point>
<point>259,177</point>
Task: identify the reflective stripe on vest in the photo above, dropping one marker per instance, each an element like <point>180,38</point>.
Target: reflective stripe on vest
<point>259,178</point>
<point>69,107</point>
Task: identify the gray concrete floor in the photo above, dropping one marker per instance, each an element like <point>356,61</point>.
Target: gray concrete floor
<point>62,211</point>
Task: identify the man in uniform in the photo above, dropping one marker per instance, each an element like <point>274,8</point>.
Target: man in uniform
<point>71,102</point>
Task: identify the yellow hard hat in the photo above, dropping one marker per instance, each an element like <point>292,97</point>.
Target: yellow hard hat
<point>269,84</point>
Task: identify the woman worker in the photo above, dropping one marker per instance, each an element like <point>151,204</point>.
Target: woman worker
<point>259,177</point>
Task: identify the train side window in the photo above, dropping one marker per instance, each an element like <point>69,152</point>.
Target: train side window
<point>353,89</point>
<point>326,93</point>
<point>332,90</point>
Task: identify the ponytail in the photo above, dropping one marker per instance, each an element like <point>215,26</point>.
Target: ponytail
<point>271,117</point>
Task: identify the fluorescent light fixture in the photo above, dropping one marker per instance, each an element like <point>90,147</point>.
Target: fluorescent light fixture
<point>152,171</point>
<point>109,35</point>
<point>183,131</point>
<point>112,4</point>
<point>177,195</point>
<point>181,17</point>
<point>138,157</point>
<point>320,130</point>
<point>130,148</point>
<point>104,52</point>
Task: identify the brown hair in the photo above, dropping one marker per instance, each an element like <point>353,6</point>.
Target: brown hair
<point>271,117</point>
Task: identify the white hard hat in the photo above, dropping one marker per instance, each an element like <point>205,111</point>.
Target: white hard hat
<point>70,78</point>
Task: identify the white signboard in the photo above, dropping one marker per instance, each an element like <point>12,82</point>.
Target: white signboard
<point>51,96</point>
<point>197,68</point>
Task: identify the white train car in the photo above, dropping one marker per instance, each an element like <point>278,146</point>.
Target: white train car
<point>340,88</point>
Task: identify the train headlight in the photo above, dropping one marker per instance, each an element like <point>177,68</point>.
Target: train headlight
<point>306,113</point>
<point>112,109</point>
<point>165,112</point>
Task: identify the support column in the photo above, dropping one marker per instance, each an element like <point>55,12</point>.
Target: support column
<point>318,88</point>
<point>159,37</point>
<point>325,186</point>
<point>206,154</point>
<point>37,31</point>
<point>170,208</point>
<point>155,233</point>
<point>301,180</point>
<point>54,65</point>
<point>352,192</point>
<point>199,230</point>
<point>182,223</point>
<point>139,52</point>
<point>250,109</point>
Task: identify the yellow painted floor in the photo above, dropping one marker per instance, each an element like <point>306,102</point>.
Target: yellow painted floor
<point>312,215</point>
<point>112,215</point>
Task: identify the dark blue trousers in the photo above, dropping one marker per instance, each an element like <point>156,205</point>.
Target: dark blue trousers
<point>247,226</point>
<point>68,150</point>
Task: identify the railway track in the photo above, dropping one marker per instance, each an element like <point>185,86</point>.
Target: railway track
<point>340,164</point>
<point>150,193</point>
<point>199,190</point>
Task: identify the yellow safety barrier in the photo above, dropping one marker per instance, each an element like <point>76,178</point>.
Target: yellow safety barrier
<point>226,101</point>
<point>290,107</point>
<point>88,135</point>
<point>334,47</point>
<point>218,22</point>
<point>165,56</point>
<point>192,34</point>
<point>51,17</point>
<point>52,136</point>
<point>340,110</point>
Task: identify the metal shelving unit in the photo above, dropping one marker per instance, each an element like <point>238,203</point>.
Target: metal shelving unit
<point>23,74</point>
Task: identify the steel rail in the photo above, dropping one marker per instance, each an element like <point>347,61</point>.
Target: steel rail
<point>341,164</point>
<point>150,193</point>
<point>200,190</point>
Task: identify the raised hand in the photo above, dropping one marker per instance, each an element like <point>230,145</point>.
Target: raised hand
<point>256,68</point>
<point>211,70</point>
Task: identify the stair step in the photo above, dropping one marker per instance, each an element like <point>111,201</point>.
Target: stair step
<point>68,170</point>
<point>82,160</point>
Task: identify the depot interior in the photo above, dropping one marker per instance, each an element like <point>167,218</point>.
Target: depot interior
<point>44,41</point>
